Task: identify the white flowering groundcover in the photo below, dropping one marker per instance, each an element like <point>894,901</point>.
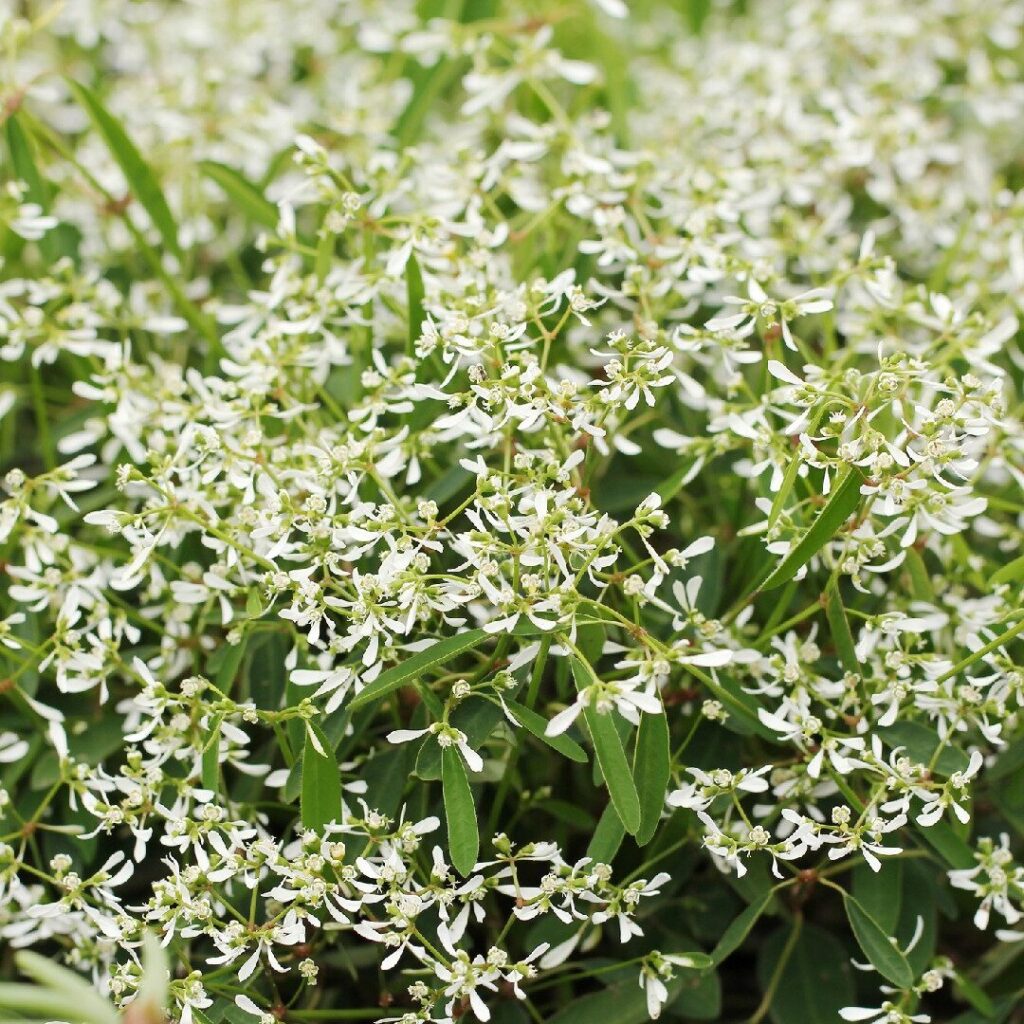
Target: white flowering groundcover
<point>512,512</point>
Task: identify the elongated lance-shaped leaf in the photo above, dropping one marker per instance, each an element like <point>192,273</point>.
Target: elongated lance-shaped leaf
<point>58,985</point>
<point>414,298</point>
<point>842,503</point>
<point>840,626</point>
<point>537,724</point>
<point>885,956</point>
<point>140,177</point>
<point>245,196</point>
<point>321,781</point>
<point>733,936</point>
<point>607,837</point>
<point>652,769</point>
<point>610,755</point>
<point>459,812</point>
<point>211,757</point>
<point>412,668</point>
<point>19,144</point>
<point>1009,573</point>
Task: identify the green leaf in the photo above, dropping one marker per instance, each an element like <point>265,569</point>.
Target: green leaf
<point>227,668</point>
<point>699,999</point>
<point>614,768</point>
<point>325,251</point>
<point>674,483</point>
<point>414,667</point>
<point>880,893</point>
<point>140,177</point>
<point>607,837</point>
<point>842,503</point>
<point>623,1003</point>
<point>840,626</point>
<point>414,300</point>
<point>795,462</point>
<point>611,758</point>
<point>816,980</point>
<point>246,197</point>
<point>1009,573</point>
<point>741,706</point>
<point>920,742</point>
<point>975,996</point>
<point>735,934</point>
<point>921,588</point>
<point>953,850</point>
<point>652,769</point>
<point>536,724</point>
<point>59,985</point>
<point>154,990</point>
<point>877,946</point>
<point>476,718</point>
<point>19,144</point>
<point>321,782</point>
<point>52,1004</point>
<point>460,812</point>
<point>1001,1011</point>
<point>590,640</point>
<point>211,757</point>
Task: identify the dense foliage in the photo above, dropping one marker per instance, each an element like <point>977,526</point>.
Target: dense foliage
<point>513,512</point>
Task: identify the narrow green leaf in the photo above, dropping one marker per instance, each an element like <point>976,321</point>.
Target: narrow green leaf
<point>877,946</point>
<point>1002,1008</point>
<point>880,893</point>
<point>154,988</point>
<point>590,640</point>
<point>53,1004</point>
<point>615,768</point>
<point>1009,573</point>
<point>734,935</point>
<point>921,588</point>
<point>840,626</point>
<point>412,668</point>
<point>607,837</point>
<point>227,668</point>
<point>211,758</point>
<point>246,197</point>
<point>324,253</point>
<point>321,782</point>
<point>945,842</point>
<point>536,724</point>
<point>431,84</point>
<point>61,984</point>
<point>26,170</point>
<point>842,503</point>
<point>460,812</point>
<point>611,757</point>
<point>476,718</point>
<point>975,996</point>
<point>920,742</point>
<point>676,481</point>
<point>139,175</point>
<point>741,705</point>
<point>795,462</point>
<point>652,769</point>
<point>810,972</point>
<point>414,298</point>
<point>617,1004</point>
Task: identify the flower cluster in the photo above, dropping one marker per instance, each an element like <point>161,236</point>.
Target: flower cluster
<point>481,528</point>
